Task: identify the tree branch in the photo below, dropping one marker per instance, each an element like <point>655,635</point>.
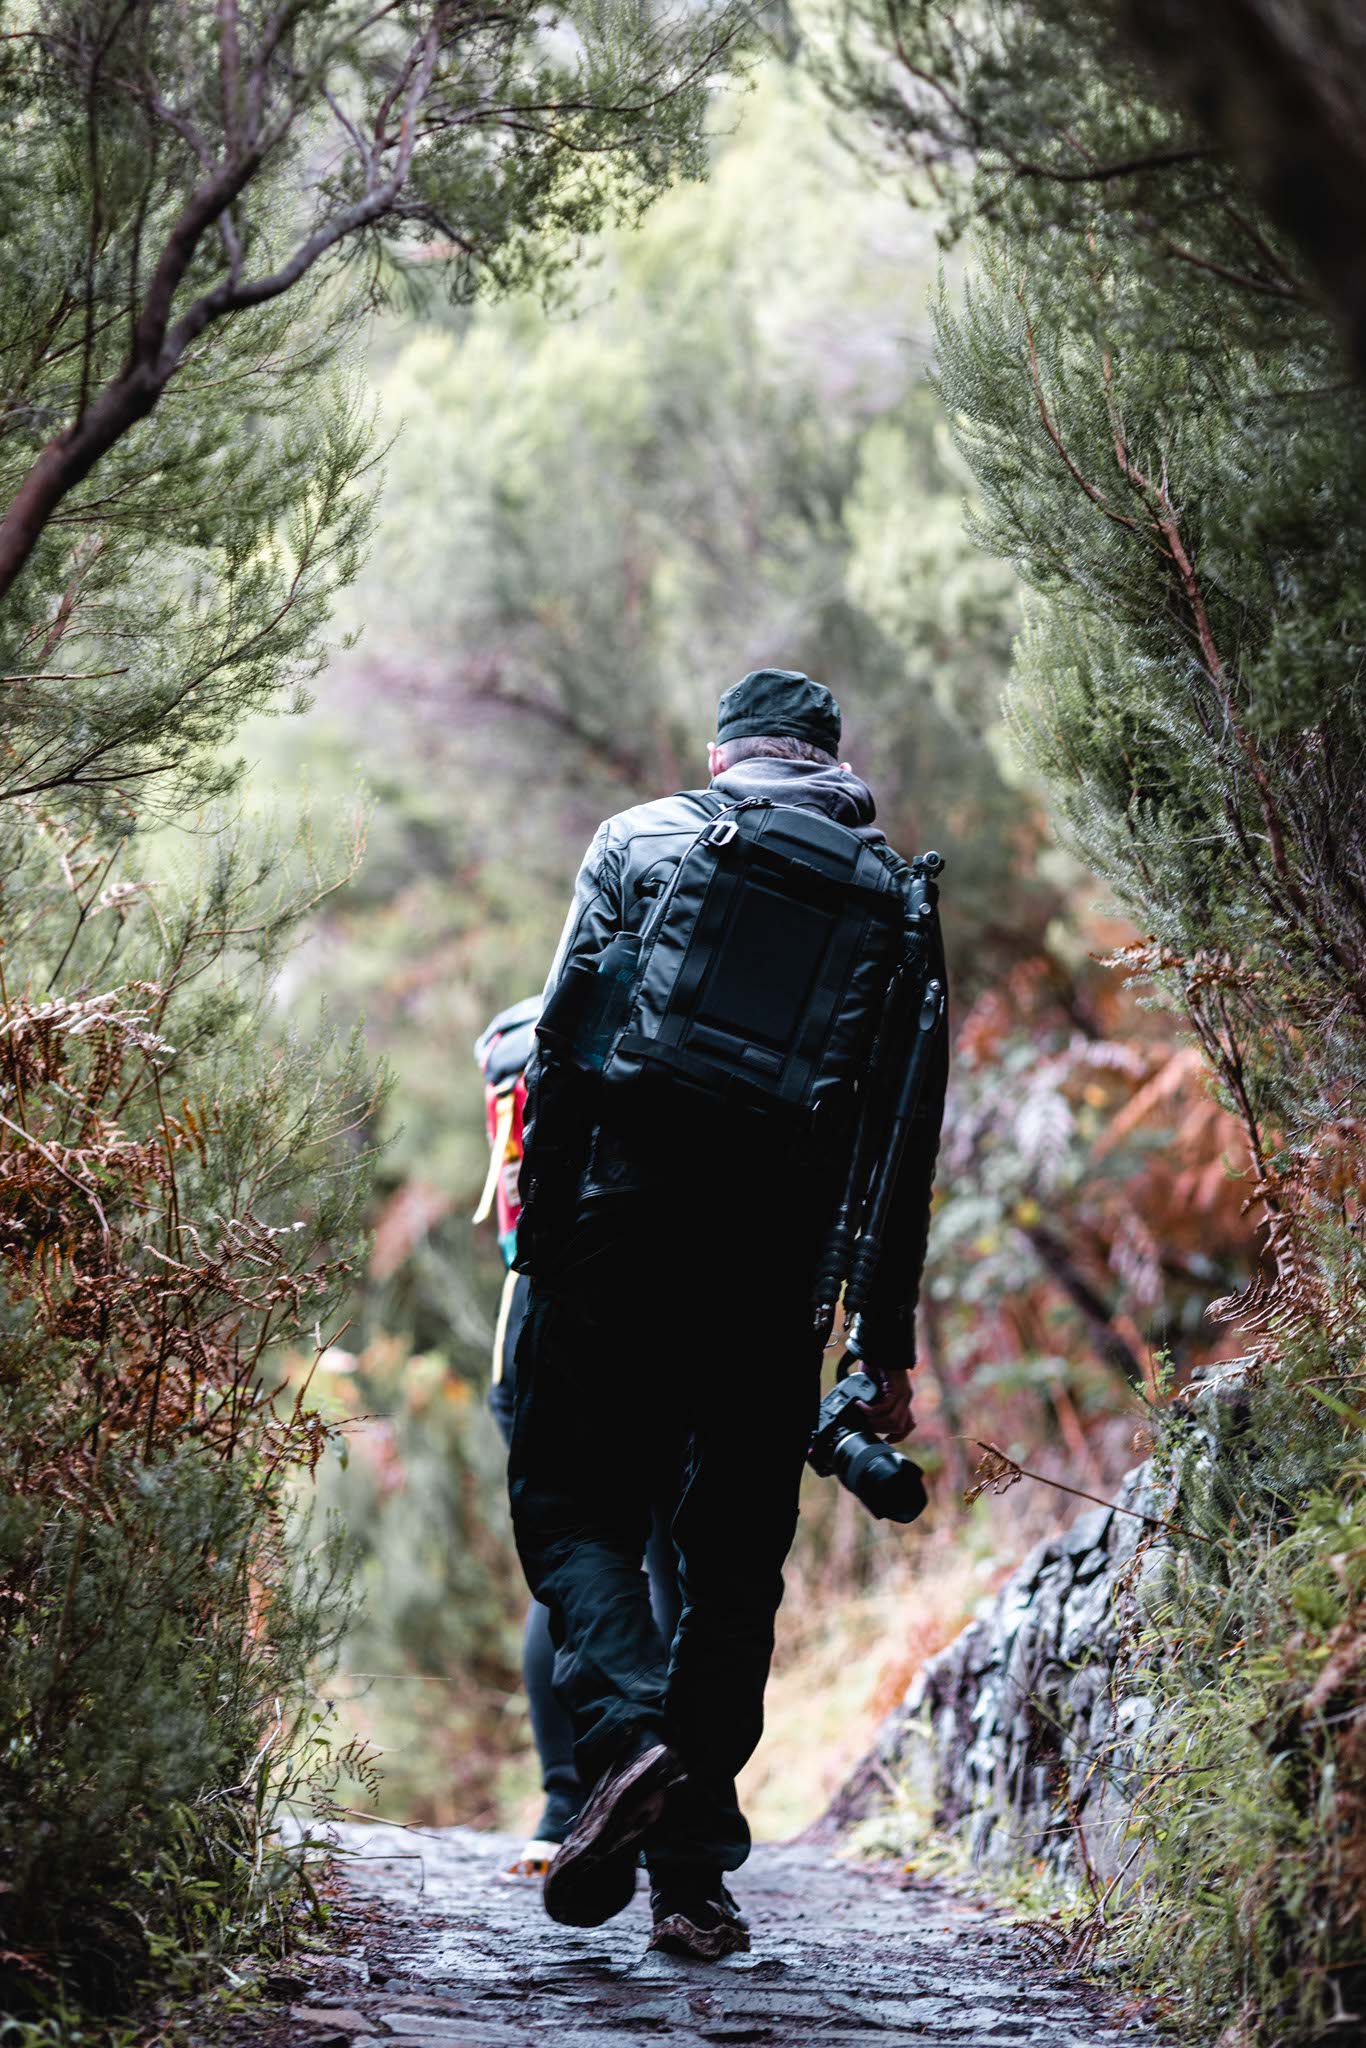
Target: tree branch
<point>1101,174</point>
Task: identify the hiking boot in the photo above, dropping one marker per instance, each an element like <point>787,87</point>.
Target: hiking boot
<point>698,1919</point>
<point>594,1874</point>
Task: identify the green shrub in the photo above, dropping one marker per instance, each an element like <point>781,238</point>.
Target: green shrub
<point>1252,1812</point>
<point>176,1197</point>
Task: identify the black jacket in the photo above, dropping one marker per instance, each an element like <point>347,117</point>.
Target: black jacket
<point>625,869</point>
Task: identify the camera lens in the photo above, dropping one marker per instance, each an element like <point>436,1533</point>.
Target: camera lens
<point>890,1486</point>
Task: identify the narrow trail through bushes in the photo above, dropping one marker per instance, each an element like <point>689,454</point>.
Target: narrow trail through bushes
<point>432,1948</point>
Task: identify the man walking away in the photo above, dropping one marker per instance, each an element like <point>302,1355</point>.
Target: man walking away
<point>671,1233</point>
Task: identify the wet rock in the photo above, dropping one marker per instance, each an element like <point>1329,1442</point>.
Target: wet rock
<point>1019,1731</point>
<point>844,1956</point>
<point>280,1984</point>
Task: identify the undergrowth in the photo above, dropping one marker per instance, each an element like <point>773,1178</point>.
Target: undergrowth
<point>1251,1807</point>
<point>177,1197</point>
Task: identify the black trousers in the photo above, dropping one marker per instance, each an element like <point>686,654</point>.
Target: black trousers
<point>551,1728</point>
<point>673,1363</point>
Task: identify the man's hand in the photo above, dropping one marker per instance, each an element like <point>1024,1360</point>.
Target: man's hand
<point>890,1415</point>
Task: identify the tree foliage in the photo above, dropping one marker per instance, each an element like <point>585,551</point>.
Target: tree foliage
<point>1277,86</point>
<point>192,167</point>
<point>197,209</point>
<point>1156,410</point>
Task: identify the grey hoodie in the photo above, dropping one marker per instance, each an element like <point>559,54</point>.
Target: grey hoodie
<point>835,791</point>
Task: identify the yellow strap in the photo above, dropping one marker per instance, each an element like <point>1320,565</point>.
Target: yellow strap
<point>501,1330</point>
<point>502,1132</point>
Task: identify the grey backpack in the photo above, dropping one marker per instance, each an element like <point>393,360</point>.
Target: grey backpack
<point>758,982</point>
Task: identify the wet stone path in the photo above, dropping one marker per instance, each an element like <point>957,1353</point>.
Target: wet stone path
<point>435,1951</point>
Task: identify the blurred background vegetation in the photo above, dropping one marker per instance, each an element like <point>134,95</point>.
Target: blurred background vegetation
<point>721,451</point>
<point>732,431</point>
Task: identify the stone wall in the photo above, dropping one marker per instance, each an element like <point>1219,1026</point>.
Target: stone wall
<point>1017,1735</point>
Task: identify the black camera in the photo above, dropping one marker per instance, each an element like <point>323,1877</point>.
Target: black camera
<point>889,1485</point>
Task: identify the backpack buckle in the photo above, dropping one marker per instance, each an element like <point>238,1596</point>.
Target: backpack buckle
<point>722,832</point>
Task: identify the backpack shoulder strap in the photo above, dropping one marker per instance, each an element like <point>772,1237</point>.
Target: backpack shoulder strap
<point>713,806</point>
<point>710,802</point>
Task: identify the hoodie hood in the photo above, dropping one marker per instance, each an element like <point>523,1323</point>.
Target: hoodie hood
<point>809,784</point>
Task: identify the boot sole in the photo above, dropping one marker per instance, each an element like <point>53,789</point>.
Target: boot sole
<point>678,1937</point>
<point>594,1876</point>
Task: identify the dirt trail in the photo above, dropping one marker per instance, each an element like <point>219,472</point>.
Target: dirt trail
<point>436,1952</point>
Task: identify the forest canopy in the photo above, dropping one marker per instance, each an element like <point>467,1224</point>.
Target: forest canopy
<point>514,385</point>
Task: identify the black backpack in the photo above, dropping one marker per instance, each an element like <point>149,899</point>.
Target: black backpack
<point>758,982</point>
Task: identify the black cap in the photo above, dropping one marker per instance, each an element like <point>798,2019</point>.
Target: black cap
<point>779,703</point>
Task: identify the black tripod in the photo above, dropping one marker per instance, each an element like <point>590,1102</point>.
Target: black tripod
<point>913,1013</point>
<point>889,1485</point>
